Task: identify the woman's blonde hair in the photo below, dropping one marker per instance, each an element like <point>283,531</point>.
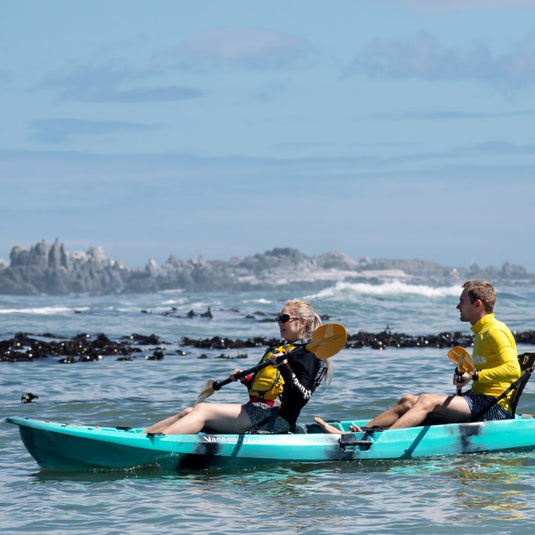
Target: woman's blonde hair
<point>303,309</point>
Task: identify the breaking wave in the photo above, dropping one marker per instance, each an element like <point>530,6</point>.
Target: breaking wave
<point>388,289</point>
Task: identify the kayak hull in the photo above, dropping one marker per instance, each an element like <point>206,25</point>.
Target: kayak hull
<point>70,446</point>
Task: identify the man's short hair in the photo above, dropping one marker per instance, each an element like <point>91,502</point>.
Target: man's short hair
<point>483,291</point>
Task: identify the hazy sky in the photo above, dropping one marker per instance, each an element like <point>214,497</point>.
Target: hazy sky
<point>401,129</point>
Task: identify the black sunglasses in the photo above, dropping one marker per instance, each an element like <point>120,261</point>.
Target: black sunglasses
<point>284,318</point>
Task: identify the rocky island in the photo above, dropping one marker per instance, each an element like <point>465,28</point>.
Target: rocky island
<point>50,269</point>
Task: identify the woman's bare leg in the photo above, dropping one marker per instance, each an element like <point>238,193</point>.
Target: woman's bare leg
<point>159,427</point>
<point>212,417</point>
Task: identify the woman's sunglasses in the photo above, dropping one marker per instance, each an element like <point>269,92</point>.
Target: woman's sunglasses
<point>284,318</point>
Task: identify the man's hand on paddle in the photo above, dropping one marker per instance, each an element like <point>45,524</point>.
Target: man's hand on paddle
<point>462,379</point>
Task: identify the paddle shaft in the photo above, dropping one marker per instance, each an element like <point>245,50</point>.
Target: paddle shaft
<point>217,385</point>
<point>460,372</point>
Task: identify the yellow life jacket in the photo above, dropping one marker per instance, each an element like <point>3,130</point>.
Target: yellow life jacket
<point>267,383</point>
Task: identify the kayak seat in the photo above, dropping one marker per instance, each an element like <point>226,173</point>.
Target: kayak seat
<point>527,364</point>
<point>526,361</point>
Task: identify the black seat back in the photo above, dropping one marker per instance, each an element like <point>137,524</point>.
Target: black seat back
<point>527,363</point>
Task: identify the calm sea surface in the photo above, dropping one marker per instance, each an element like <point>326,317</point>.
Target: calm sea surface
<point>491,493</point>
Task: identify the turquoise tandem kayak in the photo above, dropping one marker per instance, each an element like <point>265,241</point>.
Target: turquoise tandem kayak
<point>75,447</point>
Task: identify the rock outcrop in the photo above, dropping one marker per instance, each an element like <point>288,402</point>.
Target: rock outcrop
<point>50,269</point>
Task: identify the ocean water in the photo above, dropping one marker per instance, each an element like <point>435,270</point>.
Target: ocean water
<point>487,493</point>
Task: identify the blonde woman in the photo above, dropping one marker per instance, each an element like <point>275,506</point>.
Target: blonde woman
<point>292,381</point>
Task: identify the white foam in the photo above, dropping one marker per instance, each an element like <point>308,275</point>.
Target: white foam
<point>392,288</point>
<point>43,311</point>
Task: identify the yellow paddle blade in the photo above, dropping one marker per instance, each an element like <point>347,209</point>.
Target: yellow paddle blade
<point>327,340</point>
<point>207,391</point>
<point>462,358</point>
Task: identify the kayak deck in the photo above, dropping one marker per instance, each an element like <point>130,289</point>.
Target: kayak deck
<point>71,446</point>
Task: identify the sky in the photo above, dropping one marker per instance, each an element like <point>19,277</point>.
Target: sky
<point>385,129</point>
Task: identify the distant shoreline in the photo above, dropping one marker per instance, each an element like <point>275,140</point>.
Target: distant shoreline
<point>49,269</point>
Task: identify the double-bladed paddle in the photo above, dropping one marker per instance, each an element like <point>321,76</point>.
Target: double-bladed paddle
<point>326,341</point>
<point>464,361</point>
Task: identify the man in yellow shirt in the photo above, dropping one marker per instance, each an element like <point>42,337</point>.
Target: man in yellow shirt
<point>496,362</point>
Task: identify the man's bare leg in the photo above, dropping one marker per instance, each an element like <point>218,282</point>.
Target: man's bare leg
<point>446,408</point>
<point>389,417</point>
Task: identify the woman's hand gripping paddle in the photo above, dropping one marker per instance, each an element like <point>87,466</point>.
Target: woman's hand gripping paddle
<point>464,361</point>
<point>326,341</point>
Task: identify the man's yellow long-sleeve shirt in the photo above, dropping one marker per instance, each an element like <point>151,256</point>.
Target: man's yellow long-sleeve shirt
<point>496,357</point>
